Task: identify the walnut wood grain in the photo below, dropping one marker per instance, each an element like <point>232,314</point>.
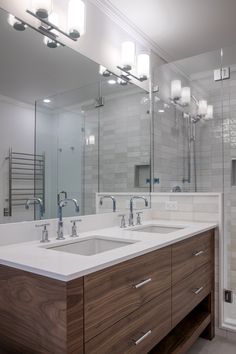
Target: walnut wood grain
<point>110,295</point>
<point>120,338</point>
<point>183,260</point>
<point>183,297</point>
<point>39,314</point>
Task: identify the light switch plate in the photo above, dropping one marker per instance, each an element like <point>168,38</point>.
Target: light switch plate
<point>171,205</point>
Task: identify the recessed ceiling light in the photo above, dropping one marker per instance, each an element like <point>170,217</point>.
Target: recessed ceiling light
<point>111,82</point>
<point>46,100</point>
<point>161,111</point>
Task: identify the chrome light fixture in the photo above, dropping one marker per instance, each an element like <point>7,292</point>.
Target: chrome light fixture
<point>42,8</point>
<point>180,96</point>
<point>16,24</point>
<point>76,18</point>
<point>48,26</point>
<point>121,80</point>
<point>128,62</point>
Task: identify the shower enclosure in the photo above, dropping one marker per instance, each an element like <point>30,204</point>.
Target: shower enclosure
<point>199,155</point>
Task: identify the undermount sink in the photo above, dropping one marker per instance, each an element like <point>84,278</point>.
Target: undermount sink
<point>157,229</point>
<point>91,246</point>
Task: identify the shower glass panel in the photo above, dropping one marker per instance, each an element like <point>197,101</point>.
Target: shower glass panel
<point>187,148</point>
<point>67,132</point>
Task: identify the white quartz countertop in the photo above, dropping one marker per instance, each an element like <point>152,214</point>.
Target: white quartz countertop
<point>36,258</point>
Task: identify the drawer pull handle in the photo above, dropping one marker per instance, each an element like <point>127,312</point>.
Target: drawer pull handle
<point>197,291</point>
<point>142,338</point>
<point>196,254</point>
<point>139,285</point>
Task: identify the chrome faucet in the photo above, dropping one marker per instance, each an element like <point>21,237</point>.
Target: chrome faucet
<point>61,205</point>
<point>131,208</point>
<point>37,201</point>
<point>113,201</point>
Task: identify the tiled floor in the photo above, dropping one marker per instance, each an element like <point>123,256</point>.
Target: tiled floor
<point>216,346</point>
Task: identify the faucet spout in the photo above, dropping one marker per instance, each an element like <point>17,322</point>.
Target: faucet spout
<point>37,201</point>
<point>61,205</point>
<point>109,197</point>
<point>131,207</point>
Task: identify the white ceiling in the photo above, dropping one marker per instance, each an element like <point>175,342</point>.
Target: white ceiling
<point>182,28</point>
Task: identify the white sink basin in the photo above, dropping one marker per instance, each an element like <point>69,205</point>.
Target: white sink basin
<point>91,246</point>
<point>157,229</point>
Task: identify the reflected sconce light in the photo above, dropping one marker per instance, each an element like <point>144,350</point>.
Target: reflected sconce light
<point>48,25</point>
<point>121,80</point>
<point>210,111</point>
<point>143,66</point>
<point>128,62</point>
<point>90,140</point>
<point>180,96</point>
<point>16,24</point>
<point>202,108</point>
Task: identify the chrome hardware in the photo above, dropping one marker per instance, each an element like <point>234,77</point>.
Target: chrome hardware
<point>139,285</point>
<point>113,201</point>
<point>131,208</point>
<point>142,338</point>
<point>139,220</point>
<point>122,222</point>
<point>37,201</point>
<point>197,291</point>
<point>44,232</point>
<point>61,205</point>
<point>198,253</point>
<point>74,228</point>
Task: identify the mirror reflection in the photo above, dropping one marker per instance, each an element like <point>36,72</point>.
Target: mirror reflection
<point>87,134</point>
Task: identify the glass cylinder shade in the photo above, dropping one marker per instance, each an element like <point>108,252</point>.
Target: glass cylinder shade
<point>209,114</point>
<point>127,55</point>
<point>186,95</point>
<point>143,66</point>
<point>42,8</point>
<point>176,89</point>
<point>202,107</point>
<point>76,18</point>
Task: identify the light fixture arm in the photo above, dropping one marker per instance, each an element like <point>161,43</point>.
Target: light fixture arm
<point>128,73</point>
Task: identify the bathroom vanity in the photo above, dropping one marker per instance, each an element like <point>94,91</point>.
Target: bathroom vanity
<point>158,298</point>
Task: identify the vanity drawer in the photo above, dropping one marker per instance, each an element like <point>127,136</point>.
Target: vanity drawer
<point>190,292</point>
<point>138,332</point>
<point>113,293</point>
<point>191,254</point>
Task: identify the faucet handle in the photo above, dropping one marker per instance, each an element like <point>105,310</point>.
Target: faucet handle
<point>74,227</point>
<point>44,232</point>
<point>139,220</point>
<point>122,222</point>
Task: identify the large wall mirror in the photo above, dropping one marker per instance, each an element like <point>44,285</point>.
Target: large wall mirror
<point>85,134</point>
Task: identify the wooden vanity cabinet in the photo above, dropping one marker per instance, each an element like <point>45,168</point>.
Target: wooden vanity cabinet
<point>157,303</point>
<point>40,314</point>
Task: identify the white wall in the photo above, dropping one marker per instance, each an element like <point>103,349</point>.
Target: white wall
<point>17,131</point>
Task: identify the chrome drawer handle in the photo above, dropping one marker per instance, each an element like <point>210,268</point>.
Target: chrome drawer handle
<point>196,254</point>
<point>139,285</point>
<point>142,338</point>
<point>197,291</point>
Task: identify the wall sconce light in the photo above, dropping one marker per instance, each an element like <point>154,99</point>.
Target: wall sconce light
<point>202,108</point>
<point>90,140</point>
<point>121,80</point>
<point>42,8</point>
<point>128,59</point>
<point>127,55</point>
<point>179,95</point>
<point>16,24</point>
<point>143,66</point>
<point>209,114</point>
<point>76,18</point>
<point>49,21</point>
